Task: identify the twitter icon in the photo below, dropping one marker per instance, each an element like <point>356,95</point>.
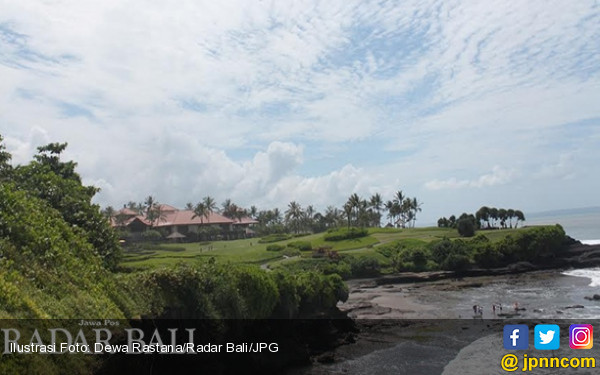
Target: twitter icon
<point>546,336</point>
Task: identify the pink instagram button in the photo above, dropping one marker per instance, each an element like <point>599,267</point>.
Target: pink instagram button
<point>581,336</point>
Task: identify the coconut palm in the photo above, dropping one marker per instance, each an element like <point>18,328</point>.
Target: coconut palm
<point>209,203</point>
<point>376,203</point>
<point>293,215</point>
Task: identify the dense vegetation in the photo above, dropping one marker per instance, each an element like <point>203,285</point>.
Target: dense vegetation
<point>535,244</point>
<point>484,218</point>
<point>275,225</point>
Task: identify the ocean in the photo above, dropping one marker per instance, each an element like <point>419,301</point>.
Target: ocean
<point>582,224</point>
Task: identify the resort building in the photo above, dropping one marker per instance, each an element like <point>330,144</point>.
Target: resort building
<point>184,224</point>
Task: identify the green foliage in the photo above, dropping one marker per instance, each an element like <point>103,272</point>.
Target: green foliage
<point>365,266</point>
<point>466,227</point>
<point>300,245</point>
<point>151,235</point>
<point>291,252</point>
<point>275,247</point>
<point>345,234</point>
<point>58,273</point>
<point>533,244</point>
<point>275,238</point>
<point>57,183</point>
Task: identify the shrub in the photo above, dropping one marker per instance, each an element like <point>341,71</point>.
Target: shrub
<point>345,234</point>
<point>487,256</point>
<point>151,235</point>
<point>275,247</point>
<point>275,238</point>
<point>466,227</point>
<point>365,267</point>
<point>456,262</point>
<point>300,245</point>
<point>291,252</point>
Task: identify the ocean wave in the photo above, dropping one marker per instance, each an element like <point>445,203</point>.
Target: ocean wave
<point>589,273</point>
<point>590,242</point>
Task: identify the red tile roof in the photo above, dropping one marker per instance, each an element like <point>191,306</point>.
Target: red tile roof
<point>186,217</point>
<point>173,216</point>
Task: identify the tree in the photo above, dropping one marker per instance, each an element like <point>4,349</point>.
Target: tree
<point>109,212</point>
<point>376,202</point>
<point>189,206</point>
<point>354,201</point>
<point>466,227</point>
<point>293,215</point>
<point>511,214</point>
<point>5,157</point>
<point>519,216</point>
<point>483,214</point>
<point>502,216</point>
<point>49,178</point>
<point>210,204</point>
<point>348,212</point>
<point>415,207</point>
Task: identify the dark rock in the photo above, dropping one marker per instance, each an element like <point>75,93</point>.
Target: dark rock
<point>575,307</point>
<point>326,358</point>
<point>521,267</point>
<point>596,297</point>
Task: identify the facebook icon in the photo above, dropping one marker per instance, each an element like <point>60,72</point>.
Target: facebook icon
<point>516,336</point>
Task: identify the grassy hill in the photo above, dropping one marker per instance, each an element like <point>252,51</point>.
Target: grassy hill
<point>251,251</point>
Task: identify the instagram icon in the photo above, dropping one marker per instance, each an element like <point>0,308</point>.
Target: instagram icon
<point>581,336</point>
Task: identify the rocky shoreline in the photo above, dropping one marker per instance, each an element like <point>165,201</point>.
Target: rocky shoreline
<point>387,310</point>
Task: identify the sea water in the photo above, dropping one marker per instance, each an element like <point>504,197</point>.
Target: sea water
<point>581,224</point>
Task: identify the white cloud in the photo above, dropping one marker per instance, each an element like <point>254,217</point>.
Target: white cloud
<point>157,99</point>
<point>498,176</point>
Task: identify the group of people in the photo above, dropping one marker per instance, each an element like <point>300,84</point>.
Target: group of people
<point>478,310</point>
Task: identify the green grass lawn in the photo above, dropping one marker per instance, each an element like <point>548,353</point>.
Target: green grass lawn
<point>251,252</point>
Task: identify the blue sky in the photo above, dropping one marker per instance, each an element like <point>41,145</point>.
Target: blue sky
<point>461,104</point>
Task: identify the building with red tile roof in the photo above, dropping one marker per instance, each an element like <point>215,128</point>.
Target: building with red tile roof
<point>185,222</point>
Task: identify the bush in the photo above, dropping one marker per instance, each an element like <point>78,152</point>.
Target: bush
<point>365,267</point>
<point>456,262</point>
<point>300,245</point>
<point>151,235</point>
<point>345,234</point>
<point>275,238</point>
<point>275,247</point>
<point>291,252</point>
<point>466,227</point>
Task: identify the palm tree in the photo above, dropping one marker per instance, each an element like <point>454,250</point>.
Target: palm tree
<point>228,208</point>
<point>276,216</point>
<point>210,204</point>
<point>348,211</point>
<point>202,212</point>
<point>416,207</point>
<point>109,213</point>
<point>253,211</point>
<point>293,214</point>
<point>189,206</point>
<point>354,202</point>
<point>377,203</point>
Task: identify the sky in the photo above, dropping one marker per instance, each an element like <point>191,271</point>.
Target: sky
<point>458,103</point>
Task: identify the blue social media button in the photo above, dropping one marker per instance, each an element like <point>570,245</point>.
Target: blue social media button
<point>516,336</point>
<point>546,336</point>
